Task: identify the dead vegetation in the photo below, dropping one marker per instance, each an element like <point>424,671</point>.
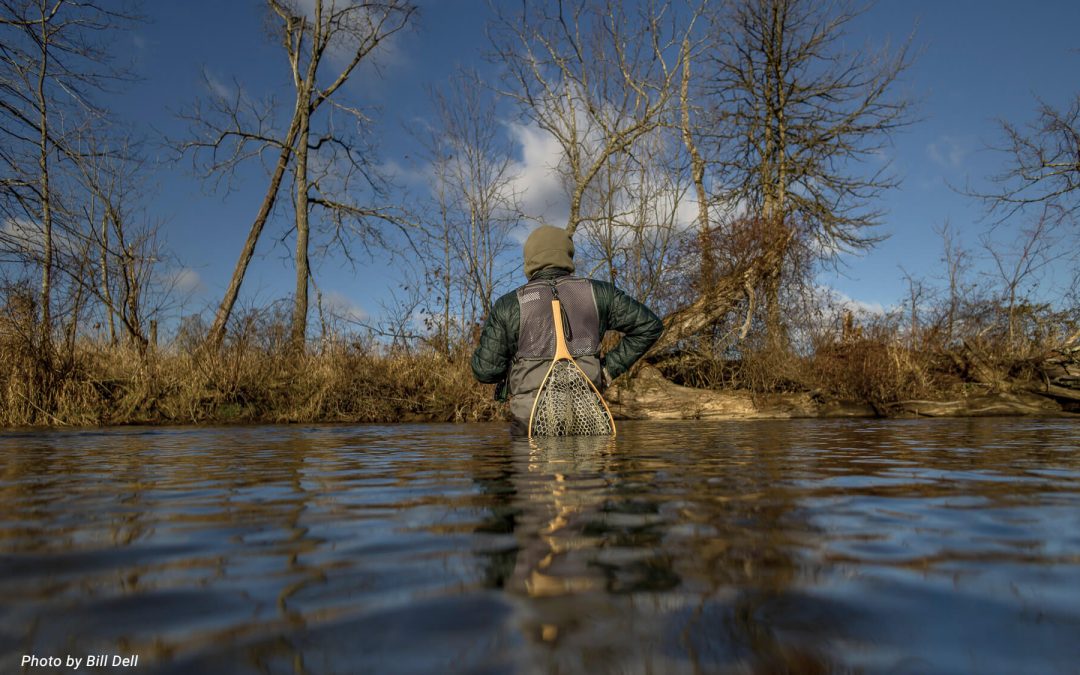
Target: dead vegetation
<point>254,377</point>
<point>877,363</point>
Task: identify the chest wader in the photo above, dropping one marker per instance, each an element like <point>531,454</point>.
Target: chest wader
<point>536,337</point>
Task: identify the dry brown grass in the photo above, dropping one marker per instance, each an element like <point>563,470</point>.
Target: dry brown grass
<point>256,377</point>
<point>105,384</point>
<point>879,370</point>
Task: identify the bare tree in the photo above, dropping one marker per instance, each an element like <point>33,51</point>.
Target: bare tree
<point>227,129</point>
<point>611,205</point>
<point>54,59</point>
<point>957,261</point>
<point>238,128</point>
<point>597,76</point>
<point>1039,186</point>
<point>917,295</point>
<point>1020,264</point>
<point>640,199</point>
<point>442,267</point>
<point>748,254</point>
<point>798,115</point>
<point>122,260</point>
<point>477,205</point>
<point>356,30</point>
<point>691,131</point>
<point>1043,163</point>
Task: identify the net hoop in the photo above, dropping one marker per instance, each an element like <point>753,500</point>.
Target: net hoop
<point>568,373</point>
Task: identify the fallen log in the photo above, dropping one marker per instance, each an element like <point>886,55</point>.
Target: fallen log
<point>986,405</point>
<point>1054,391</point>
<point>725,292</point>
<point>651,396</point>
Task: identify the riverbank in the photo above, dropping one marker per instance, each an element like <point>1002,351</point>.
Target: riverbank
<point>98,385</point>
<point>651,397</point>
<point>114,385</point>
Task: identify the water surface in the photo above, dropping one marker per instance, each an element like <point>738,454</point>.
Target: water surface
<point>944,546</point>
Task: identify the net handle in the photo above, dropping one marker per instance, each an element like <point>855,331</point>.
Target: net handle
<point>561,351</point>
<point>563,354</point>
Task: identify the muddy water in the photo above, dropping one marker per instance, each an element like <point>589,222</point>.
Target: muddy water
<point>946,546</point>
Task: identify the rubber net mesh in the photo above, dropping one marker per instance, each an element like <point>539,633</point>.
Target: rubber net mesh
<point>567,405</point>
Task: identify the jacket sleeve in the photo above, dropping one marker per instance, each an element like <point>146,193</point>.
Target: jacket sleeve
<point>639,326</point>
<point>498,341</point>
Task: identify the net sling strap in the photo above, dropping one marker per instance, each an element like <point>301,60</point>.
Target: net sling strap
<point>568,403</point>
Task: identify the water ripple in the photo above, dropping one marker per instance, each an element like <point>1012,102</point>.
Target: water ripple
<point>937,546</point>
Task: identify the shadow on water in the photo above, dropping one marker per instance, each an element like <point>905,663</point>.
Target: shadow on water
<point>804,546</point>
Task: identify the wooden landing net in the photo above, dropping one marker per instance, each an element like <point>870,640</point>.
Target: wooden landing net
<point>568,403</point>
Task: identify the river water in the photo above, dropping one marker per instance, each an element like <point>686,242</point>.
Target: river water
<point>943,546</point>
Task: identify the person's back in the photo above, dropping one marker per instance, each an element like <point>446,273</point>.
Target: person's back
<point>518,340</point>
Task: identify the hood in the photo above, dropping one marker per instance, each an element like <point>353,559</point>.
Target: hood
<point>548,247</point>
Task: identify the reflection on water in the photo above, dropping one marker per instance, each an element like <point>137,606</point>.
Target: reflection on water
<point>807,546</point>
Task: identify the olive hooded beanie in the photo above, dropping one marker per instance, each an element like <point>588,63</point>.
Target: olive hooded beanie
<point>548,247</point>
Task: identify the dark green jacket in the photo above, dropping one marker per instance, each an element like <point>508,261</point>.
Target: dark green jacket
<point>617,311</point>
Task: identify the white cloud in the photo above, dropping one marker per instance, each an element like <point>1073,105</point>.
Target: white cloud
<point>27,237</point>
<point>520,233</point>
<point>422,175</point>
<point>218,87</point>
<point>187,280</point>
<point>341,306</point>
<point>948,151</point>
<point>536,177</point>
<point>843,301</point>
<point>686,211</point>
<point>23,235</point>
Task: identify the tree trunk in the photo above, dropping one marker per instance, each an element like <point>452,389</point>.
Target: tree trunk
<point>106,292</point>
<point>775,331</point>
<point>131,296</point>
<point>697,174</point>
<point>574,218</point>
<point>46,195</point>
<point>691,321</point>
<point>446,283</point>
<point>300,299</point>
<point>221,318</point>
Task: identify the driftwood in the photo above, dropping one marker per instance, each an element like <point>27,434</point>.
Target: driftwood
<point>1061,376</point>
<point>647,394</point>
<point>1056,391</point>
<point>650,396</point>
<point>986,405</point>
<point>976,367</point>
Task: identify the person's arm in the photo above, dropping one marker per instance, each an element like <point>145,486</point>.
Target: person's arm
<point>498,342</point>
<point>640,329</point>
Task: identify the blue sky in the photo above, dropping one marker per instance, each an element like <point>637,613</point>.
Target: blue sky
<point>977,61</point>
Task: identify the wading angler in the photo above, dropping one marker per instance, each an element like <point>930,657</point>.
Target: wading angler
<point>541,342</point>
